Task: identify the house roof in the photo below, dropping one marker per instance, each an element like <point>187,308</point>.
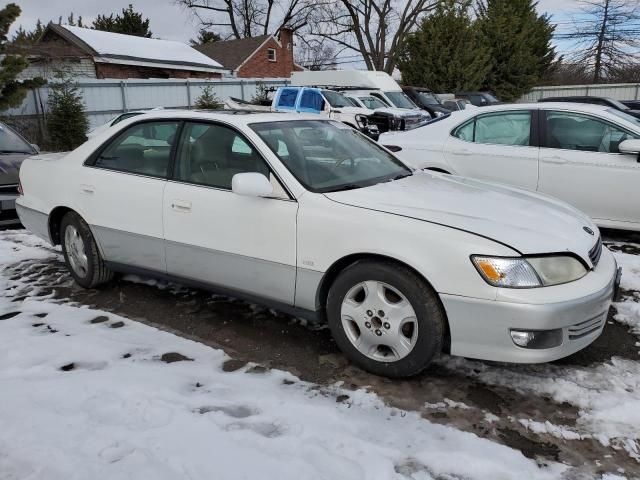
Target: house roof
<point>108,47</point>
<point>233,53</point>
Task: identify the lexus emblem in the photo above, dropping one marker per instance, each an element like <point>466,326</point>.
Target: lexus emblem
<point>588,230</point>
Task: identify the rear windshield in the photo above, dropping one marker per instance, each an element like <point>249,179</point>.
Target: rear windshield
<point>11,142</point>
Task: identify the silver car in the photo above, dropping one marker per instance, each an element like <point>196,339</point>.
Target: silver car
<point>13,150</point>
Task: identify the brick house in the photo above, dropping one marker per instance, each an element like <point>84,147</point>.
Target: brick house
<point>256,57</point>
<point>88,53</point>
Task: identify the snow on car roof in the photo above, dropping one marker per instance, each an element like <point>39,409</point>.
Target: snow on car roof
<point>118,46</point>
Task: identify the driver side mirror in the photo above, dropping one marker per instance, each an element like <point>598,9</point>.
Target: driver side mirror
<point>251,184</point>
<point>630,147</point>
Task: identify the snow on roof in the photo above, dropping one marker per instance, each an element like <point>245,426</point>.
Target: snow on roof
<point>128,47</point>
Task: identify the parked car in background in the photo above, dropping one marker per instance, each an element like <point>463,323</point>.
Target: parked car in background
<point>586,155</point>
<point>14,148</point>
<point>311,217</point>
<point>359,82</point>
<point>337,106</point>
<point>457,104</point>
<point>389,118</point>
<point>605,101</point>
<point>632,104</point>
<point>426,100</point>
<point>479,99</point>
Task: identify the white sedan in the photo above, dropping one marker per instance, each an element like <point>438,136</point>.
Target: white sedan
<point>586,155</point>
<point>311,217</point>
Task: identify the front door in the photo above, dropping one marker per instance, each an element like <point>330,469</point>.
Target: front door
<point>120,194</point>
<point>496,147</point>
<point>217,237</point>
<point>580,164</point>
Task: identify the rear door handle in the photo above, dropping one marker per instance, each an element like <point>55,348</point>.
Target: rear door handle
<point>181,205</point>
<point>462,151</point>
<point>88,189</point>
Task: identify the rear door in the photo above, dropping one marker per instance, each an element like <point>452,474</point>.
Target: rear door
<point>120,194</point>
<point>496,146</point>
<point>581,164</point>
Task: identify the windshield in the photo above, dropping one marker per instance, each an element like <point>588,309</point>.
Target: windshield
<point>428,98</point>
<point>373,102</point>
<point>11,142</point>
<point>490,98</point>
<point>327,156</point>
<point>335,99</point>
<point>625,116</point>
<point>400,100</point>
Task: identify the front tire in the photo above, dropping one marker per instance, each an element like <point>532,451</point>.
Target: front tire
<point>385,318</point>
<point>81,252</point>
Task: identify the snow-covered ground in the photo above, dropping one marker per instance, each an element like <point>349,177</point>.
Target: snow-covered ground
<point>85,394</point>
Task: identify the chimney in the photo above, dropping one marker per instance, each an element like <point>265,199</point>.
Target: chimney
<point>286,40</point>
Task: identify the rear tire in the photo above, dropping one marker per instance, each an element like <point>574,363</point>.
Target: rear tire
<point>81,252</point>
<point>386,318</point>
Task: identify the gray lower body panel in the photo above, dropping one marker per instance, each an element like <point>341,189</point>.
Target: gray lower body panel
<point>266,279</point>
<point>307,285</point>
<point>130,248</point>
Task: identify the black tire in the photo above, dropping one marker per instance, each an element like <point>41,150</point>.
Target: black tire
<point>96,272</point>
<point>430,316</point>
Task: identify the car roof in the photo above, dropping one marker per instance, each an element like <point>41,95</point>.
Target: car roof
<point>234,117</point>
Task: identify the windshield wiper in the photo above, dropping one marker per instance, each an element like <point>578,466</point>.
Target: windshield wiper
<point>348,186</point>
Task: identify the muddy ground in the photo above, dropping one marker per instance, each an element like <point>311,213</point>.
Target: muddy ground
<point>249,333</point>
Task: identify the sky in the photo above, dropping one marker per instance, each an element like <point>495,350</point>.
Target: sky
<point>171,22</point>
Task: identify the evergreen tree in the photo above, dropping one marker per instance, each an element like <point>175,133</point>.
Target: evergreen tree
<point>208,100</point>
<point>261,97</point>
<point>520,44</point>
<point>25,37</point>
<point>129,22</point>
<point>445,53</point>
<point>12,91</point>
<point>205,36</point>
<point>67,122</point>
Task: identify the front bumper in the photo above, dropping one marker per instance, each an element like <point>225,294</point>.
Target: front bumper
<point>481,328</point>
<point>8,214</point>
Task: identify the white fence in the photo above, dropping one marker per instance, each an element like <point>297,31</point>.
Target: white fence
<point>618,91</point>
<point>104,99</point>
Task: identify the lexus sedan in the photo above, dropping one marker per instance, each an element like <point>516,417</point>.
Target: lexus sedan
<point>309,216</point>
<point>13,150</point>
<point>586,155</point>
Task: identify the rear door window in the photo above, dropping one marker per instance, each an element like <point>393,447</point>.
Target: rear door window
<point>504,128</point>
<point>144,149</point>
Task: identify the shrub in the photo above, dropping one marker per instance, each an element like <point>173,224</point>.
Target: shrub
<point>67,123</point>
<point>208,100</point>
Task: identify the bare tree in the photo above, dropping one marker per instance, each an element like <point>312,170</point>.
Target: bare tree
<point>375,29</point>
<point>316,54</point>
<point>606,33</point>
<point>250,18</point>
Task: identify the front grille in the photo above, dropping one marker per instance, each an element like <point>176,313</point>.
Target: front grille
<point>587,327</point>
<point>595,252</point>
<point>10,189</point>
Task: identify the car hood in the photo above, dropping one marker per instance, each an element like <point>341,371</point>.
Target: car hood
<point>10,167</point>
<point>527,222</point>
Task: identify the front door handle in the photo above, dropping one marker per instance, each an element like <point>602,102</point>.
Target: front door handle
<point>555,159</point>
<point>181,205</point>
<point>88,189</point>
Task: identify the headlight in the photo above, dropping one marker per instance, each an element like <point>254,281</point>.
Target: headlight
<point>529,272</point>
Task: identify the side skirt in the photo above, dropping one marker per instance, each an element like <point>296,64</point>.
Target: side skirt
<point>309,315</point>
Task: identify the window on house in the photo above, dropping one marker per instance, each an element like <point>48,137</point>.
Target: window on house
<point>271,54</point>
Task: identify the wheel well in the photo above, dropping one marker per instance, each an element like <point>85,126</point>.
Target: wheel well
<point>435,169</point>
<point>334,270</point>
<point>55,219</point>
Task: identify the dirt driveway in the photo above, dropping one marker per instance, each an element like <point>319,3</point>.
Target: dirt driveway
<point>520,406</point>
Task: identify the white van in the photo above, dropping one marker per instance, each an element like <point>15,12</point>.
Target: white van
<point>373,83</point>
